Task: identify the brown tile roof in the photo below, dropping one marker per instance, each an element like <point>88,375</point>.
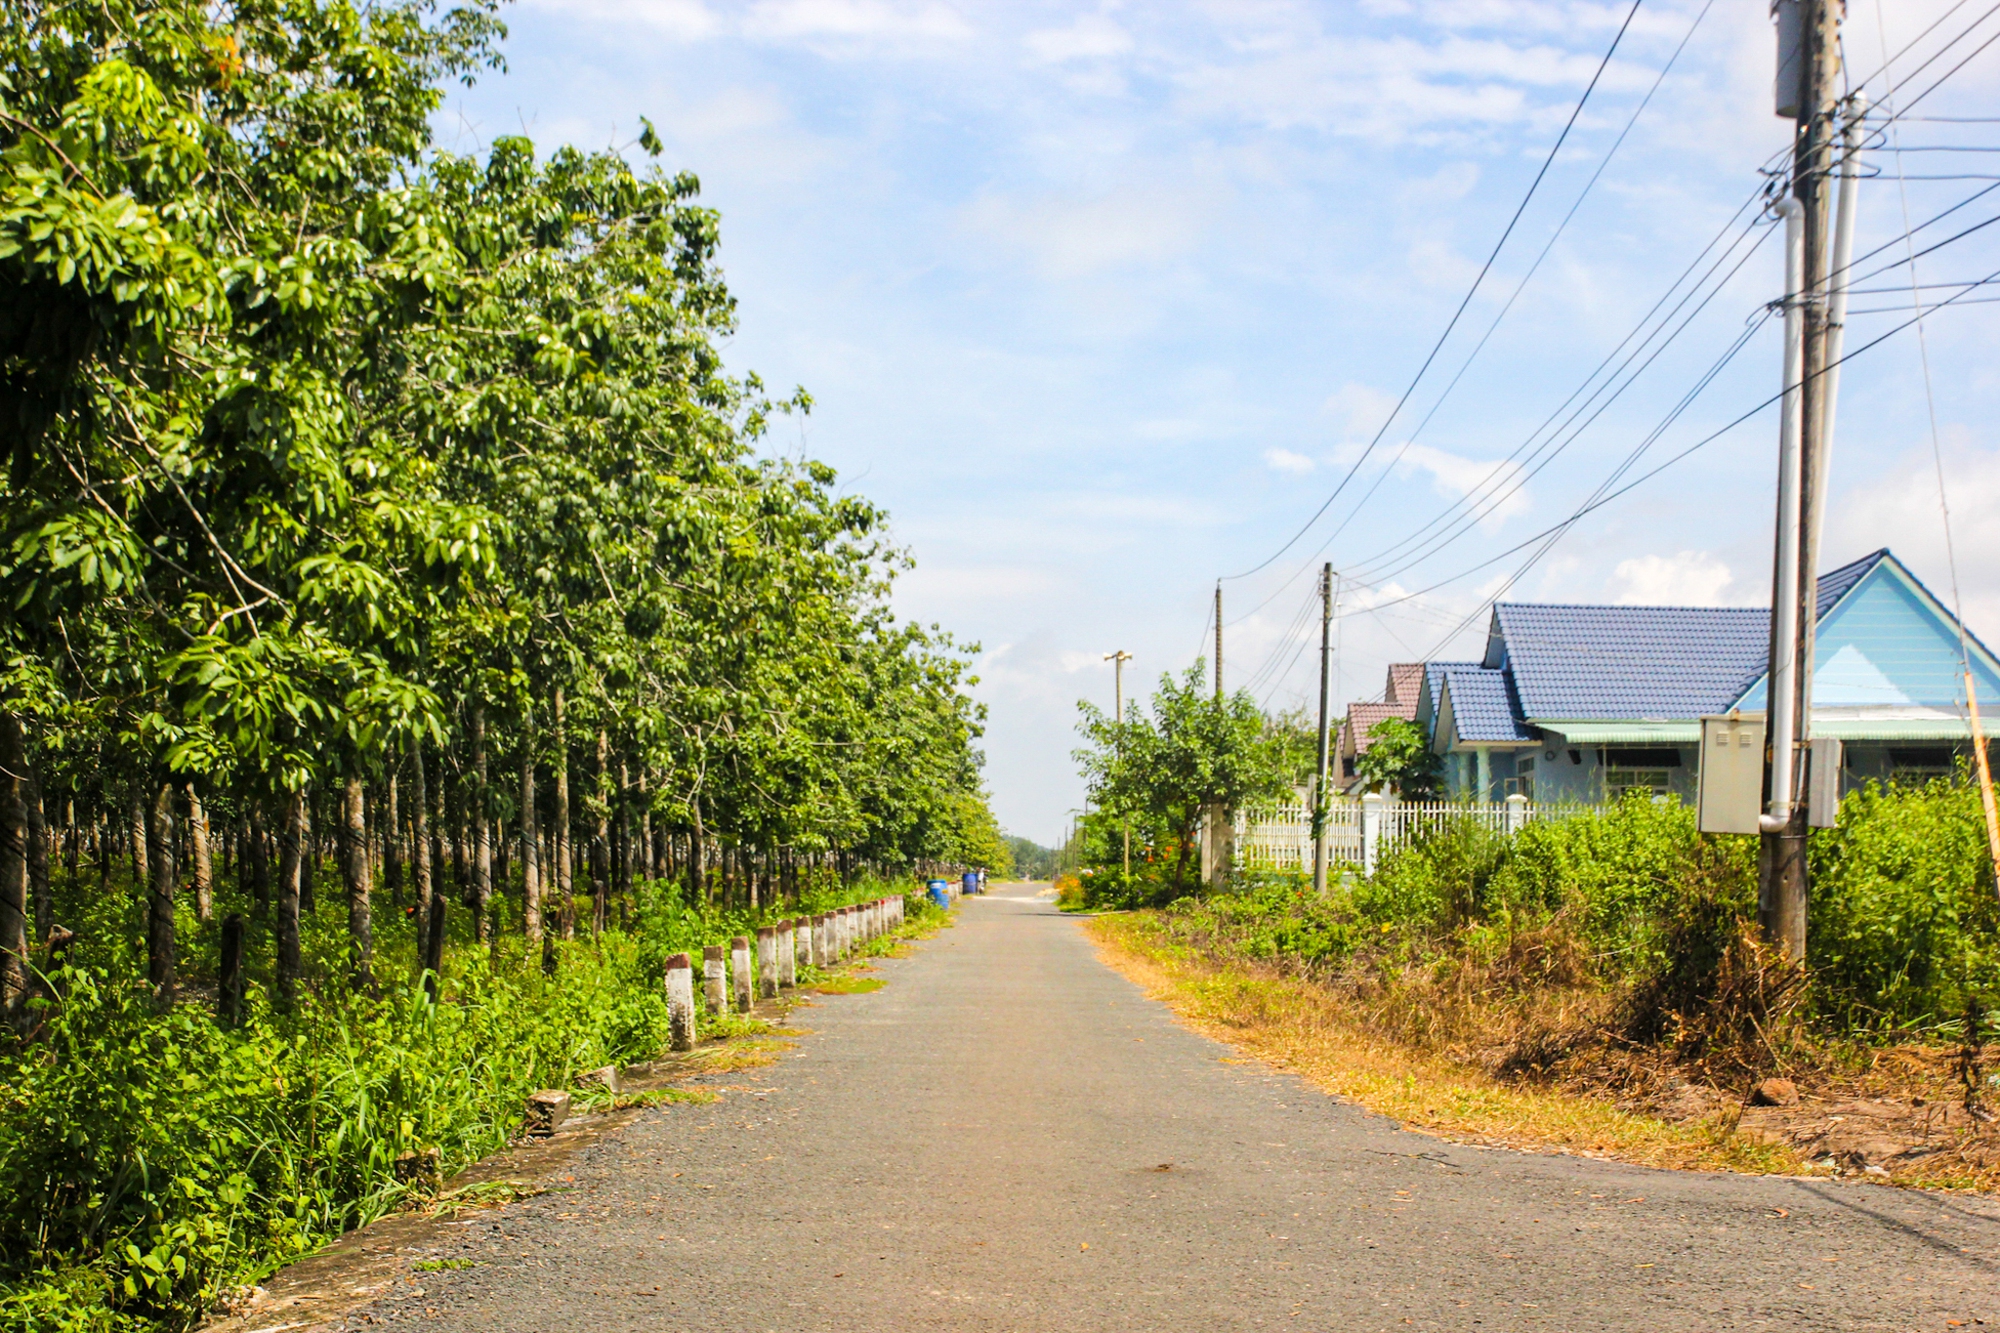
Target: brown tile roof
<point>1361,719</point>
<point>1406,679</point>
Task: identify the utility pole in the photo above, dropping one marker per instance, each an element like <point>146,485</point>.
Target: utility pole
<point>1118,661</point>
<point>1808,67</point>
<point>1325,675</point>
<point>1218,640</point>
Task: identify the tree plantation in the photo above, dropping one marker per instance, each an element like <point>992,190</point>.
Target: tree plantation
<point>389,563</point>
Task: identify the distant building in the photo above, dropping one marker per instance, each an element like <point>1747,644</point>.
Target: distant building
<point>1402,694</point>
<point>1581,703</point>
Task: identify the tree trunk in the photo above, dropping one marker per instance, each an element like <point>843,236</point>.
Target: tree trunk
<point>260,861</point>
<point>136,828</point>
<point>204,869</point>
<point>565,881</point>
<point>38,853</point>
<point>697,868</point>
<point>291,880</point>
<point>460,843</point>
<point>627,854</point>
<point>14,974</point>
<point>482,829</point>
<point>531,838</point>
<point>160,919</point>
<point>392,846</point>
<point>358,873</point>
<point>600,843</point>
<point>308,856</point>
<point>429,893</point>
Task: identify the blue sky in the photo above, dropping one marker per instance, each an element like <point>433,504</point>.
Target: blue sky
<point>1102,301</point>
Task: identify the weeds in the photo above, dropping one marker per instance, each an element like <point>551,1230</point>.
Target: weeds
<point>150,1161</point>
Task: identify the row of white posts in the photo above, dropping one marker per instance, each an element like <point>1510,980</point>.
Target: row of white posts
<point>1358,832</point>
<point>807,941</point>
<point>782,950</point>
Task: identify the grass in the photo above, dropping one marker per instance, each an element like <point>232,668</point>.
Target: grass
<point>848,986</point>
<point>1297,1025</point>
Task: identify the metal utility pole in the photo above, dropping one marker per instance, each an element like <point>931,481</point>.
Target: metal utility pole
<point>1808,67</point>
<point>1218,640</point>
<point>1118,661</point>
<point>1325,675</point>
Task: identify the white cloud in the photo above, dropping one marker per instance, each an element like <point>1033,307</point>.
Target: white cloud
<point>869,23</point>
<point>1359,409</point>
<point>1494,487</point>
<point>1284,460</point>
<point>1093,36</point>
<point>686,20</point>
<point>1689,578</point>
<point>1899,509</point>
<point>1067,237</point>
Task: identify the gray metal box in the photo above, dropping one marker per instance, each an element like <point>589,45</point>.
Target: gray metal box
<point>1823,782</point>
<point>1731,794</point>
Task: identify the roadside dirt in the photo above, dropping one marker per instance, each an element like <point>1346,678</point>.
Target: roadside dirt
<point>1903,1118</point>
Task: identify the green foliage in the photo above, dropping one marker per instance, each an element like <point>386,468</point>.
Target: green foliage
<point>1903,917</point>
<point>1159,773</point>
<point>1904,925</point>
<point>1030,859</point>
<point>149,1161</point>
<point>1399,756</point>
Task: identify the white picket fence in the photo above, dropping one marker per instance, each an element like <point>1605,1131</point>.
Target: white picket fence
<point>1358,832</point>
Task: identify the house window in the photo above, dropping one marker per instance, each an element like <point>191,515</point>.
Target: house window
<point>1913,766</point>
<point>1626,756</point>
<point>1523,781</point>
<point>1618,781</point>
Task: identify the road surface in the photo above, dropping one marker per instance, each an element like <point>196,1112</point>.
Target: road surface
<point>1009,1136</point>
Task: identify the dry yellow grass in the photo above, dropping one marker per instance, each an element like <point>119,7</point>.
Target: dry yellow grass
<point>1298,1026</point>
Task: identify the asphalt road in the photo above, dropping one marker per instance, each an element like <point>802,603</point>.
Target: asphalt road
<point>1008,1136</point>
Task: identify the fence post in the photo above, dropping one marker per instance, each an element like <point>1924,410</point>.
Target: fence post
<point>680,1003</point>
<point>767,962</point>
<point>788,956</point>
<point>1371,830</point>
<point>715,979</point>
<point>739,968</point>
<point>1517,812</point>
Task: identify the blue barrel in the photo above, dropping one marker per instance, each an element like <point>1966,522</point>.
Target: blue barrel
<point>971,881</point>
<point>940,891</point>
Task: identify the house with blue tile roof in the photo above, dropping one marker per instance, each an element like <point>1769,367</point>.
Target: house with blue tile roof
<point>1581,703</point>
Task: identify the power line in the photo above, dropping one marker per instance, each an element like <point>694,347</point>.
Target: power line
<point>1598,502</point>
<point>1521,286</point>
<point>1485,268</point>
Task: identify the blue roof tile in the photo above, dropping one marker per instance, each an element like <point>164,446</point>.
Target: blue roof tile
<point>1836,584</point>
<point>1484,706</point>
<point>1641,662</point>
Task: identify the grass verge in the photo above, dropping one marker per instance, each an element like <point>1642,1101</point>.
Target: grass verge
<point>1297,1025</point>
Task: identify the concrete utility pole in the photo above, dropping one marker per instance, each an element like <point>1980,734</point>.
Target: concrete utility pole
<point>1808,67</point>
<point>1325,675</point>
<point>1218,640</point>
<point>1118,661</point>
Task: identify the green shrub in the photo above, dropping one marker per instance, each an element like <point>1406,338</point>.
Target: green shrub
<point>150,1161</point>
<point>1903,917</point>
<point>1905,924</point>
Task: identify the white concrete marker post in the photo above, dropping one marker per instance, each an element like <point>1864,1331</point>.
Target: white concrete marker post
<point>808,945</point>
<point>739,967</point>
<point>767,962</point>
<point>715,979</point>
<point>680,1003</point>
<point>788,956</point>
